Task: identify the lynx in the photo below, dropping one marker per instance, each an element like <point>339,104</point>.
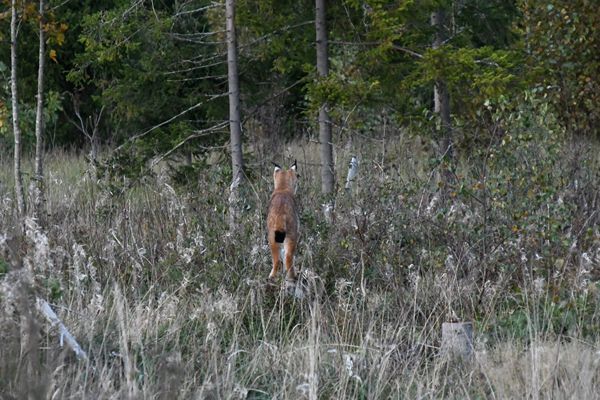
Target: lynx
<point>282,220</point>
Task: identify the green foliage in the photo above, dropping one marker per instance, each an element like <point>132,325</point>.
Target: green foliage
<point>342,88</point>
<point>55,291</point>
<point>563,43</point>
<point>556,316</point>
<point>276,57</point>
<point>134,57</point>
<point>474,76</point>
<point>3,267</point>
<point>53,108</point>
<point>56,30</point>
<point>145,63</point>
<point>382,57</point>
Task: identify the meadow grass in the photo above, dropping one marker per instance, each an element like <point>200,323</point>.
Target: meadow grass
<point>169,303</point>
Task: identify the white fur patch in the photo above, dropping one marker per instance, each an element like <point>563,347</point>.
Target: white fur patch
<point>282,254</point>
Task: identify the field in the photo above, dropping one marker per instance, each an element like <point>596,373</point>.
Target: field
<point>170,303</point>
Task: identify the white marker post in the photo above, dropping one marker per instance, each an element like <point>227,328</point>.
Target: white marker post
<point>352,172</point>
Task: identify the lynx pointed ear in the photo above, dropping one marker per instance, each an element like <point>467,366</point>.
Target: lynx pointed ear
<point>294,166</point>
<point>277,167</point>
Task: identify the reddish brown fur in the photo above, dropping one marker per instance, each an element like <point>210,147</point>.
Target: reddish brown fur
<point>283,217</point>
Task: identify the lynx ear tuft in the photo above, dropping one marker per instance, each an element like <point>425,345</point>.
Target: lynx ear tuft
<point>294,166</point>
<point>277,167</point>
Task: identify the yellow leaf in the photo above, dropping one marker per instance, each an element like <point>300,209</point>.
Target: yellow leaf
<point>30,9</point>
<point>53,55</point>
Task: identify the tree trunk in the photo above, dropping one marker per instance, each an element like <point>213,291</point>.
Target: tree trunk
<point>38,195</point>
<point>440,92</point>
<point>234,91</point>
<point>327,175</point>
<point>20,197</point>
<point>234,112</point>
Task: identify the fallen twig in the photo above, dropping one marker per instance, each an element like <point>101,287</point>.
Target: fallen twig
<point>65,335</point>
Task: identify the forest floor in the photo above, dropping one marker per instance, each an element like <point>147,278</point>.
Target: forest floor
<point>168,302</point>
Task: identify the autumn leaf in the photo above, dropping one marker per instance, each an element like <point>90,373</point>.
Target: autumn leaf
<point>30,9</point>
<point>53,56</point>
<point>60,38</point>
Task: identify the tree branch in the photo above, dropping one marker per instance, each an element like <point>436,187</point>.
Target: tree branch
<point>165,122</point>
<point>197,134</point>
<point>395,47</point>
<point>46,310</point>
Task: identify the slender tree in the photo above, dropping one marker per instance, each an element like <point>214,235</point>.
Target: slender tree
<point>90,127</point>
<point>38,195</point>
<point>234,92</point>
<point>235,128</point>
<point>327,176</point>
<point>20,196</point>
<point>440,92</point>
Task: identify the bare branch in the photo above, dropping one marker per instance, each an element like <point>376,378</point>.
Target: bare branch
<point>198,10</point>
<point>274,96</point>
<point>195,68</point>
<point>46,310</point>
<point>199,78</point>
<point>167,121</point>
<point>275,32</point>
<point>395,47</point>
<point>407,51</point>
<point>195,135</point>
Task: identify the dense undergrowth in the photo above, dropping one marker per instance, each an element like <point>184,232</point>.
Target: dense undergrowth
<point>169,303</point>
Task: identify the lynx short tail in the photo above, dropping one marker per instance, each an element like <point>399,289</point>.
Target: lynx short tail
<point>279,236</point>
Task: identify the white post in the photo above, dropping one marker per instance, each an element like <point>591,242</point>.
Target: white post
<point>352,172</point>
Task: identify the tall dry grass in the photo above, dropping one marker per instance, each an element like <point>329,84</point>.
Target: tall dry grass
<point>169,303</point>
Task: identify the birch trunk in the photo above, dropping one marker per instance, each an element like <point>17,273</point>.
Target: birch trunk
<point>20,196</point>
<point>440,92</point>
<point>327,176</point>
<point>234,112</point>
<point>39,195</point>
<point>234,91</point>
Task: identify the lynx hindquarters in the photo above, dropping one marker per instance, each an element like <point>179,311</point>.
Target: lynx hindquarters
<point>282,220</point>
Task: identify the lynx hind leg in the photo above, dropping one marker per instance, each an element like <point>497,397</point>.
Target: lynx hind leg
<point>275,254</point>
<point>290,248</point>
